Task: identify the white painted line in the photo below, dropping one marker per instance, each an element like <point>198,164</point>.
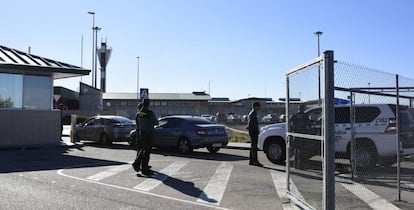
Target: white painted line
<point>109,172</point>
<point>279,180</point>
<point>369,197</point>
<point>60,172</point>
<point>163,175</point>
<point>213,192</point>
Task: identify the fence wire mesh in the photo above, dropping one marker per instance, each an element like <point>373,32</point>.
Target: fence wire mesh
<point>374,137</point>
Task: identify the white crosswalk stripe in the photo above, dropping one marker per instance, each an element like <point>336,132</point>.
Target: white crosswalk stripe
<point>369,197</point>
<point>213,192</point>
<point>109,172</point>
<point>279,180</point>
<point>163,175</point>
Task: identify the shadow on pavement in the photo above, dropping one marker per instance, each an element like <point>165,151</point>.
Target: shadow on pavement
<point>200,155</point>
<point>48,158</point>
<point>187,188</point>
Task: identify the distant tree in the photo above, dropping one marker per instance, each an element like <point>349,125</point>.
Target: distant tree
<point>6,103</point>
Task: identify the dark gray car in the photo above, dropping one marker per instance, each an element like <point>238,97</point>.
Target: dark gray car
<point>187,133</point>
<point>105,129</point>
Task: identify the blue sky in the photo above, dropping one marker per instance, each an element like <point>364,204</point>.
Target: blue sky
<point>241,48</point>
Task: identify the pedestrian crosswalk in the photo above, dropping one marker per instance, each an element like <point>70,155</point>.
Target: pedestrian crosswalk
<point>160,177</point>
<point>213,184</point>
<point>217,184</point>
<point>184,180</point>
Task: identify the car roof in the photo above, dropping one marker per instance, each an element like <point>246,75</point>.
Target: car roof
<point>109,117</point>
<point>185,117</point>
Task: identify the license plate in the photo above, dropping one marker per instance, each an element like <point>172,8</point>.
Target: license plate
<point>217,145</point>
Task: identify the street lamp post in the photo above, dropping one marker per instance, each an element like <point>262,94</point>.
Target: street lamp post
<point>96,29</point>
<point>93,47</point>
<point>138,79</point>
<point>318,34</point>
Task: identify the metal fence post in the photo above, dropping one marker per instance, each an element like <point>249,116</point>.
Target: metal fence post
<point>329,134</point>
<point>397,118</point>
<point>287,136</point>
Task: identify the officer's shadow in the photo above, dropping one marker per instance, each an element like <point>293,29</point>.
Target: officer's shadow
<point>184,187</point>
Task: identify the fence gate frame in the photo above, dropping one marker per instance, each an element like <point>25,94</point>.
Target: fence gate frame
<point>327,137</point>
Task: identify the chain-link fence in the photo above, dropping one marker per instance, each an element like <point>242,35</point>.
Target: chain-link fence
<point>359,153</point>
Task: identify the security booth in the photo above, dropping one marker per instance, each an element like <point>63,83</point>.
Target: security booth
<point>26,98</point>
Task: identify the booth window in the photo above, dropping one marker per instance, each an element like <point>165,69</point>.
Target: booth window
<point>25,91</point>
<point>11,91</point>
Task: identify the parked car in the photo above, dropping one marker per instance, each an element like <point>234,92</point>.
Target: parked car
<point>105,129</point>
<point>270,118</point>
<point>186,133</point>
<point>374,133</point>
<point>234,118</point>
<point>208,117</point>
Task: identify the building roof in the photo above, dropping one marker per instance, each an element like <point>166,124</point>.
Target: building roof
<point>18,62</point>
<point>157,96</point>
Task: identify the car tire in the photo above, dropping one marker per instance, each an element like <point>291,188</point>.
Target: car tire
<point>131,140</point>
<point>365,157</point>
<point>212,149</point>
<point>105,140</point>
<point>184,146</point>
<point>275,152</point>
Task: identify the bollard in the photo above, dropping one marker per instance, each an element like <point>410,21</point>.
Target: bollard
<point>72,128</point>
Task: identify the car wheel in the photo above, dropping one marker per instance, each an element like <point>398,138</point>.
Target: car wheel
<point>131,140</point>
<point>212,149</point>
<point>184,146</point>
<point>365,157</point>
<point>105,140</point>
<point>275,152</point>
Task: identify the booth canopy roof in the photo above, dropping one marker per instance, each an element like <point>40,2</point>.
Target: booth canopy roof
<point>18,62</point>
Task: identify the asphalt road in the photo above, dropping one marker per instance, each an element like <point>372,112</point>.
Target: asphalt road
<point>90,176</point>
<point>93,177</point>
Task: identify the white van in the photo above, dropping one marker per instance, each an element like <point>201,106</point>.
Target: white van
<point>374,130</point>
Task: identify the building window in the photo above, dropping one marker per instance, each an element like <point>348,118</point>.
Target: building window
<point>163,103</point>
<point>156,103</point>
<point>25,91</point>
<point>123,103</point>
<point>11,90</point>
<point>37,91</point>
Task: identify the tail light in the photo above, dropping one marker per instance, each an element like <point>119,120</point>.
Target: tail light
<point>392,126</point>
<point>202,132</point>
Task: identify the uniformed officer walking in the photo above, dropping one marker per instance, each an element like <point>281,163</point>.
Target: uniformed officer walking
<point>146,122</point>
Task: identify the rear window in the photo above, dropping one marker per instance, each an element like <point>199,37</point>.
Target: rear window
<point>121,120</point>
<point>198,121</point>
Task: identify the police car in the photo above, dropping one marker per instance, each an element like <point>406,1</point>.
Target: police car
<point>374,130</point>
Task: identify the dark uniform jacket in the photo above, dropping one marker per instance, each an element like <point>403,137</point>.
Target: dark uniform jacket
<point>147,120</point>
<point>252,123</point>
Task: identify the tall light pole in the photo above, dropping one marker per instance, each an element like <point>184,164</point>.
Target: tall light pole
<point>93,47</point>
<point>318,34</point>
<point>138,79</point>
<point>96,29</point>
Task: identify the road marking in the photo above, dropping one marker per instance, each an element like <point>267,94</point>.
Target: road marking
<point>213,192</point>
<point>109,172</point>
<point>163,175</point>
<point>60,172</point>
<point>279,180</point>
<point>369,197</point>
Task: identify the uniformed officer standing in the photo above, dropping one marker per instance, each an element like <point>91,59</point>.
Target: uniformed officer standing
<point>146,122</point>
<point>253,127</point>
